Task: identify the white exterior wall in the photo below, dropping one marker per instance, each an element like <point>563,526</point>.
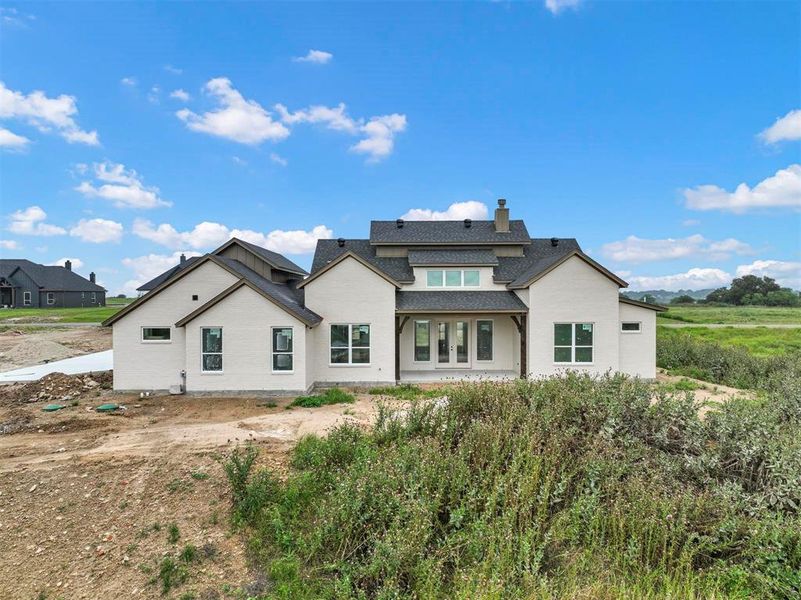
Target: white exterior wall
<point>352,293</point>
<point>573,292</point>
<point>142,365</point>
<point>485,280</point>
<point>506,343</point>
<point>246,318</point>
<point>638,350</point>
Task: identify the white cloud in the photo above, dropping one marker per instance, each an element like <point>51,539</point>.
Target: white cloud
<point>379,132</point>
<point>77,263</point>
<point>31,221</point>
<point>694,279</point>
<point>154,94</point>
<point>9,245</point>
<point>12,141</point>
<point>122,186</point>
<point>279,160</point>
<point>557,6</point>
<point>786,128</point>
<point>318,57</point>
<point>639,250</point>
<point>12,17</point>
<point>690,223</point>
<point>45,114</point>
<point>786,273</point>
<point>180,94</point>
<point>457,211</point>
<point>97,231</point>
<point>173,70</point>
<point>209,234</point>
<point>782,190</point>
<point>237,119</point>
<point>147,267</point>
<point>129,81</point>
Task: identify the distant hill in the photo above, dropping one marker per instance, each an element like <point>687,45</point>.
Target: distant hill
<point>664,296</point>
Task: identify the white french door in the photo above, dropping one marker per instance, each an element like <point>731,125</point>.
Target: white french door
<point>453,344</point>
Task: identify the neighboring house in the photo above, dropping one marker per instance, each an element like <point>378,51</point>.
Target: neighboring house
<point>417,301</point>
<point>25,284</point>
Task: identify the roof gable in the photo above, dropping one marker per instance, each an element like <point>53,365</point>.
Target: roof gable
<point>342,257</point>
<point>543,266</point>
<point>275,260</point>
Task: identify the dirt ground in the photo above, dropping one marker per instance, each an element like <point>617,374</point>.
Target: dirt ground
<point>87,499</point>
<point>25,346</point>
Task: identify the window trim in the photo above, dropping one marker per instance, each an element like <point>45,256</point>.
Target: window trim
<point>629,331</point>
<point>202,370</point>
<point>414,342</point>
<point>573,346</point>
<point>350,346</point>
<point>273,351</point>
<point>142,334</point>
<point>94,297</point>
<point>444,284</point>
<point>27,298</point>
<point>51,298</point>
<point>492,345</point>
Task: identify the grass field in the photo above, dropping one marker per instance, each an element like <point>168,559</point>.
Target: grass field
<point>757,315</point>
<point>759,341</point>
<point>58,315</point>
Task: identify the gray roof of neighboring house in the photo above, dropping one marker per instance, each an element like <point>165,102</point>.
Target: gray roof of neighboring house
<point>396,268</point>
<point>494,301</point>
<point>159,279</point>
<point>452,257</point>
<point>49,277</point>
<point>287,296</point>
<point>279,261</point>
<point>446,232</point>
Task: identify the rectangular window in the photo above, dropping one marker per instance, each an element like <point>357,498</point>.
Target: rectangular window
<point>283,349</point>
<point>350,344</point>
<point>630,327</point>
<point>434,279</point>
<point>572,343</point>
<point>471,278</point>
<point>26,298</point>
<point>484,340</point>
<point>94,297</point>
<point>453,279</point>
<point>211,350</point>
<point>51,297</point>
<point>156,334</point>
<point>422,341</point>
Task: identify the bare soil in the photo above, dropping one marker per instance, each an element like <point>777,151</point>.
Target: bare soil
<point>25,346</point>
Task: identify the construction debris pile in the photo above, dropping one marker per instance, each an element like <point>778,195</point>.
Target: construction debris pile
<point>60,387</point>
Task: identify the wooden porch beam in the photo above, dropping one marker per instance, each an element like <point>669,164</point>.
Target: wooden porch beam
<point>521,329</point>
<point>398,330</point>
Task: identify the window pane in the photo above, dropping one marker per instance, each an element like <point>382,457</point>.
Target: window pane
<point>422,341</point>
<point>471,278</point>
<point>583,355</point>
<point>282,362</point>
<point>361,336</point>
<point>282,340</point>
<point>562,334</point>
<point>339,336</point>
<point>361,356</point>
<point>631,326</point>
<point>212,362</point>
<point>156,333</point>
<point>339,356</point>
<point>212,339</point>
<point>443,343</point>
<point>462,342</point>
<point>484,340</point>
<point>583,334</point>
<point>434,278</point>
<point>453,278</point>
<point>561,355</point>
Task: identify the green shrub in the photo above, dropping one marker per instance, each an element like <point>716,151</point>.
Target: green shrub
<point>171,574</point>
<point>249,492</point>
<point>173,533</point>
<point>330,396</point>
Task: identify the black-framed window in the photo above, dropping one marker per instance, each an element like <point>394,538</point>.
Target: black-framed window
<point>484,335</point>
<point>211,349</point>
<point>350,344</point>
<point>283,359</point>
<point>156,334</point>
<point>573,343</point>
<point>422,341</point>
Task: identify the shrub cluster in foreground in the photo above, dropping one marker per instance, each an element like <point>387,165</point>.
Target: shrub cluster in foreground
<point>684,354</point>
<point>558,488</point>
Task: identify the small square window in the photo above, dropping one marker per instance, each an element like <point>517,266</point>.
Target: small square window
<point>453,278</point>
<point>194,297</point>
<point>630,326</point>
<point>471,278</point>
<point>434,278</point>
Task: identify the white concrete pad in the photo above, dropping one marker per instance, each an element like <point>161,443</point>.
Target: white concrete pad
<point>97,361</point>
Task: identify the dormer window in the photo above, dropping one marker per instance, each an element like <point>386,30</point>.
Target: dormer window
<point>453,278</point>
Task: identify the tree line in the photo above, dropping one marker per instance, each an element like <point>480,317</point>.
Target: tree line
<point>749,290</point>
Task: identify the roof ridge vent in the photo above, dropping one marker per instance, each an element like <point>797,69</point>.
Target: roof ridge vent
<point>340,242</point>
<point>399,223</point>
<point>554,242</point>
<point>468,223</point>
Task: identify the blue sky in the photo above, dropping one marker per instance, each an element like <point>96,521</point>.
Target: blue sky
<point>665,136</point>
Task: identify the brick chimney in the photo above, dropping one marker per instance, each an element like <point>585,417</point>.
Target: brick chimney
<point>92,277</point>
<point>68,265</point>
<point>183,258</point>
<point>502,217</point>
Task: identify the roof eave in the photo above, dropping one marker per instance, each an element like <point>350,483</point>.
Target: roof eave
<point>244,245</point>
<point>638,303</point>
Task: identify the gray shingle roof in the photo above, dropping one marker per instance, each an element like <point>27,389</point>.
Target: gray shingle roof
<point>159,279</point>
<point>495,301</point>
<point>536,257</point>
<point>328,250</point>
<point>49,277</point>
<point>452,257</point>
<point>287,296</point>
<point>446,232</point>
<point>279,261</point>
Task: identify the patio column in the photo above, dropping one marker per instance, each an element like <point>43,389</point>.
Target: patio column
<point>398,330</point>
<point>520,323</point>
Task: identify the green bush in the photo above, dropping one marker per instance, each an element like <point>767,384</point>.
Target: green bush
<point>573,487</point>
<point>330,396</point>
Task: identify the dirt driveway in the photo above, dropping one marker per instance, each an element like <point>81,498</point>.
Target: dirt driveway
<point>87,500</point>
<point>22,345</point>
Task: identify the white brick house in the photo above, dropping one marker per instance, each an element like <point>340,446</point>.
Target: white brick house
<point>418,301</point>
